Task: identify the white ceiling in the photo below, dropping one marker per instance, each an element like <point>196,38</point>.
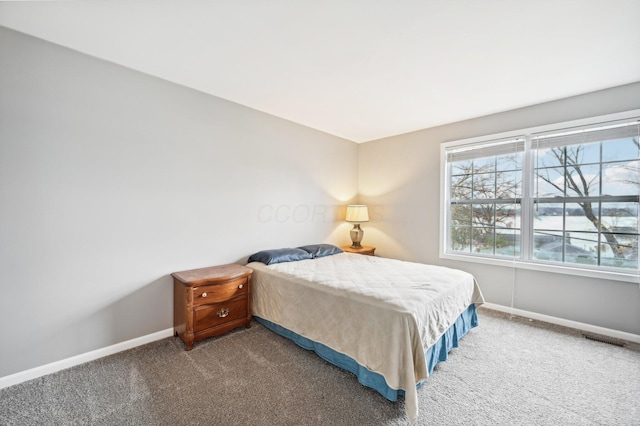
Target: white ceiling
<point>359,69</point>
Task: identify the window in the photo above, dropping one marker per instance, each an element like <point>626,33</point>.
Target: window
<point>485,184</point>
<point>563,196</point>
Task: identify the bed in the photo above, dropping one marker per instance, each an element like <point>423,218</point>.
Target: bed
<point>387,321</point>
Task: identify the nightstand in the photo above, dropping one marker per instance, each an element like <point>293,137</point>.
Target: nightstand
<point>367,250</point>
<point>210,301</point>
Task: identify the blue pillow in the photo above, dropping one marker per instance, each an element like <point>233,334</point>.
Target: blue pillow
<point>269,257</point>
<point>321,250</point>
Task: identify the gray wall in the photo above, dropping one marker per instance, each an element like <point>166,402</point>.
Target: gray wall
<point>400,178</point>
<point>111,179</point>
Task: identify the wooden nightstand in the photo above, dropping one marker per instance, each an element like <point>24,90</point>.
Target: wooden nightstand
<point>210,301</point>
<point>367,250</point>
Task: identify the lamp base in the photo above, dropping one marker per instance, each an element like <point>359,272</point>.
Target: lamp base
<point>356,236</point>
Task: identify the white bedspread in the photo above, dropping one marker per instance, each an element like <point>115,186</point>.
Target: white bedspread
<point>383,313</point>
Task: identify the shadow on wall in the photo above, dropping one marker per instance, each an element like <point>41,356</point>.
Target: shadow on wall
<point>390,230</point>
<point>147,310</point>
<point>386,245</point>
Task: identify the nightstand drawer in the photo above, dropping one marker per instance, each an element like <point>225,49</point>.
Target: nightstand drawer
<point>219,292</point>
<point>220,313</point>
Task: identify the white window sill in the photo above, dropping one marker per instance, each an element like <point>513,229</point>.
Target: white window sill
<point>631,276</point>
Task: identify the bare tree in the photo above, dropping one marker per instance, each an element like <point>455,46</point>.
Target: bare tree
<point>576,180</point>
<point>476,219</point>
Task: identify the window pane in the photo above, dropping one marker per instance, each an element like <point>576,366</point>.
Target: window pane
<point>508,216</point>
<point>545,246</point>
<point>461,187</point>
<point>583,181</point>
<point>461,215</point>
<point>483,241</point>
<point>548,216</point>
<point>460,239</point>
<point>578,218</point>
<point>508,242</point>
<point>482,216</point>
<point>619,250</point>
<point>508,185</point>
<point>484,185</point>
<point>620,149</point>
<point>484,165</point>
<point>549,157</point>
<point>581,247</point>
<point>621,178</point>
<point>550,182</point>
<point>509,162</point>
<point>620,217</point>
<point>461,167</point>
<point>583,154</point>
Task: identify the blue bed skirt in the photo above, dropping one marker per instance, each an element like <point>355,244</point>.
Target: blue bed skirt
<point>436,353</point>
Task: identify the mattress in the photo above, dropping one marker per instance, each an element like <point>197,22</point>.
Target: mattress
<point>383,313</point>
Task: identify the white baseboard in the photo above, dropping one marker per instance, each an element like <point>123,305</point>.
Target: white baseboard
<point>43,370</point>
<point>616,334</point>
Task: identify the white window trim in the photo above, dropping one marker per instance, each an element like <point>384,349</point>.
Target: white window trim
<point>600,273</point>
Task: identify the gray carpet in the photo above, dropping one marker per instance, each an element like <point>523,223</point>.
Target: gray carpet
<point>508,371</point>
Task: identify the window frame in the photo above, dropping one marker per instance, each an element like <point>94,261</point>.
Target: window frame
<point>526,260</point>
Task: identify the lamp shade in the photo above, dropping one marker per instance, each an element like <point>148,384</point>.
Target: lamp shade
<point>357,214</point>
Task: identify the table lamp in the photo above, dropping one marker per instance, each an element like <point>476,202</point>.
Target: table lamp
<point>356,214</point>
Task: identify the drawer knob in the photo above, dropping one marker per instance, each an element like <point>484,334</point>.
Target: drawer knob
<point>223,312</point>
<point>204,294</point>
<point>240,286</point>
